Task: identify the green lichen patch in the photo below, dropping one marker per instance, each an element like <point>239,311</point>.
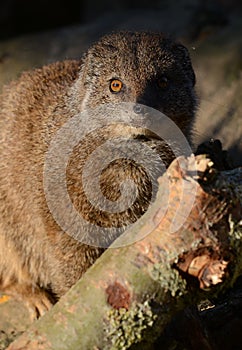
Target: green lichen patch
<point>125,327</point>
<point>235,231</point>
<point>235,234</point>
<point>169,279</point>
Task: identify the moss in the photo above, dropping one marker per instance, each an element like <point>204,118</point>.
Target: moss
<point>126,327</point>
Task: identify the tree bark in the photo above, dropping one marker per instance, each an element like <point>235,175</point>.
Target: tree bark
<point>188,246</point>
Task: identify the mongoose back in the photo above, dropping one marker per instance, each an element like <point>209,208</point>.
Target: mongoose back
<point>38,261</point>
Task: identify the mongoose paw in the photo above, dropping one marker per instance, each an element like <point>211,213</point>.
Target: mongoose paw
<point>38,303</point>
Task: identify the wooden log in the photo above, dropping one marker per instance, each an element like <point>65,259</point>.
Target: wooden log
<point>190,248</point>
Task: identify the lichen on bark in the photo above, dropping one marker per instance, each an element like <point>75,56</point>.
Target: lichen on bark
<point>125,327</point>
<point>169,278</point>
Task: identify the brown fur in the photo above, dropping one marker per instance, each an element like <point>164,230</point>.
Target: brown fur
<point>36,256</point>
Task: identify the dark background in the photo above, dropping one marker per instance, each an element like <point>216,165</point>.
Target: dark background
<point>19,17</point>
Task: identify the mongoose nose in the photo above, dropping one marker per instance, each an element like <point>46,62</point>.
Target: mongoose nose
<point>138,109</point>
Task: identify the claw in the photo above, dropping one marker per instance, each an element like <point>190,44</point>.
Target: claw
<point>37,300</point>
<point>38,304</point>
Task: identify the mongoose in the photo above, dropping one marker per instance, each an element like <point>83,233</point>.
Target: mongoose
<point>38,261</point>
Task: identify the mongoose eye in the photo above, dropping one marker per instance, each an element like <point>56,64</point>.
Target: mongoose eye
<point>163,82</point>
<point>116,86</point>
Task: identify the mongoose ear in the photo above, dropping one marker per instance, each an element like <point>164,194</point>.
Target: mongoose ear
<point>183,56</point>
<point>110,48</point>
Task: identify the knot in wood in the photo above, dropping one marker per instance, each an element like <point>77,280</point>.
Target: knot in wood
<point>118,296</point>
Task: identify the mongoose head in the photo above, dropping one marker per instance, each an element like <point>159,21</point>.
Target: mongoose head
<point>144,68</point>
